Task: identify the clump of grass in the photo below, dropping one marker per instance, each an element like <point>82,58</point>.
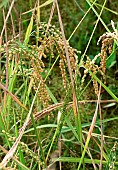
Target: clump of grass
<point>24,82</point>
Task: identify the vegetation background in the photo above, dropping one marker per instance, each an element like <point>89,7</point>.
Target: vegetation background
<point>58,99</point>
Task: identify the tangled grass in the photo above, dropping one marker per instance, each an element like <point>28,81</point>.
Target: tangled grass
<point>27,101</point>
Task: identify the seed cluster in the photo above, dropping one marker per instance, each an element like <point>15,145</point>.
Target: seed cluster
<point>24,148</point>
<point>50,43</point>
<point>107,40</point>
<point>90,65</point>
<point>63,72</point>
<point>37,69</point>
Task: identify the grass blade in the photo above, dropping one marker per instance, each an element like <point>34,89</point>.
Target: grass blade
<point>28,32</point>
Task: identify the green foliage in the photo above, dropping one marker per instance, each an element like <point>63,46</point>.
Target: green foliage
<point>41,123</point>
<point>4,3</point>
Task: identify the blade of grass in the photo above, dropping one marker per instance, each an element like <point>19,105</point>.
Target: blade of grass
<point>74,159</point>
<point>81,21</point>
<point>21,158</point>
<point>68,129</point>
<point>13,67</point>
<point>60,124</point>
<point>114,12</point>
<point>72,129</point>
<point>90,131</point>
<point>99,19</point>
<point>102,142</point>
<point>103,23</point>
<point>43,5</point>
<point>7,60</point>
<point>105,87</point>
<point>51,95</point>
<point>9,155</point>
<point>28,32</point>
<point>42,156</point>
<point>12,96</point>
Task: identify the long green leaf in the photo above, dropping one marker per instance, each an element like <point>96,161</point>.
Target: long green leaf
<point>74,159</point>
<point>28,32</point>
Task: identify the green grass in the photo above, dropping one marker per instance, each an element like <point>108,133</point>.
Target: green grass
<point>73,129</point>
